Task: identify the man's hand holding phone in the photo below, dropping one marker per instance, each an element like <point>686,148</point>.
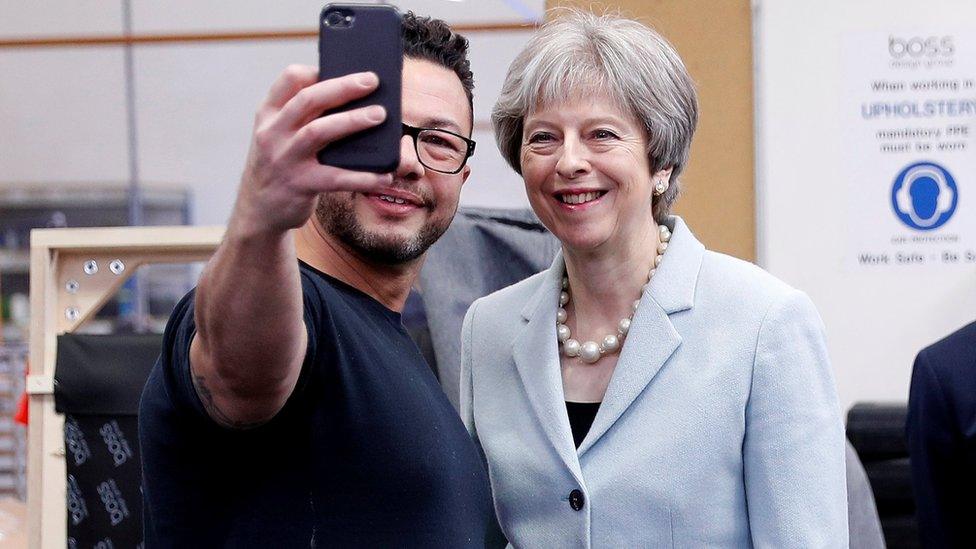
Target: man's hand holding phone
<point>243,368</point>
<point>282,175</point>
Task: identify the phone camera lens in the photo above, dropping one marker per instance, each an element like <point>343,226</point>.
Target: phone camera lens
<point>334,19</point>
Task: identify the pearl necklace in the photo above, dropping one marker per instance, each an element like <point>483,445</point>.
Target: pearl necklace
<point>591,351</point>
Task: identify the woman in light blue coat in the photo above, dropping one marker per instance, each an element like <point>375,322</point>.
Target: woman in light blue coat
<point>643,391</point>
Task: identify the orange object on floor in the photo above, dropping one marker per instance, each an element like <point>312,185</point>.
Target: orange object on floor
<point>20,416</point>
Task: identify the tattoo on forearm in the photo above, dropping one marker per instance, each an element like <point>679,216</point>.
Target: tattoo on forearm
<point>206,397</point>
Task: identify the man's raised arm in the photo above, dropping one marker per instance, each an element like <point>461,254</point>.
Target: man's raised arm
<point>247,354</point>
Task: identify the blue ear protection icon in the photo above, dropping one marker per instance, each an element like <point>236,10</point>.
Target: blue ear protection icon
<point>917,212</point>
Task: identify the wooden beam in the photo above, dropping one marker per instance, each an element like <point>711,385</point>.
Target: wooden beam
<point>226,36</point>
<point>58,256</point>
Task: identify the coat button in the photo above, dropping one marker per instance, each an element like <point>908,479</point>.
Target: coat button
<point>576,500</point>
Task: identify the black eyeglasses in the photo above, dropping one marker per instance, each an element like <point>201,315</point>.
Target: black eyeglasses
<point>440,150</point>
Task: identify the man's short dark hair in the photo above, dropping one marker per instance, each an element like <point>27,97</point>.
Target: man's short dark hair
<point>434,41</point>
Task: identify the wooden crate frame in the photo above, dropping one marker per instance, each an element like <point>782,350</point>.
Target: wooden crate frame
<point>58,257</point>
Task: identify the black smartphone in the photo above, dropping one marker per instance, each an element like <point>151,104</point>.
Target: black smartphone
<point>356,38</point>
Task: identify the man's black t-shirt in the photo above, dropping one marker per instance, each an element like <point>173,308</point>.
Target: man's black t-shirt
<point>367,452</point>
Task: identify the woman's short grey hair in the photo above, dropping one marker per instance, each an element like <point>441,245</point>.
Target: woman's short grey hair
<point>578,53</point>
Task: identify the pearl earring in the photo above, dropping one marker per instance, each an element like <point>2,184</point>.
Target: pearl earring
<point>661,186</point>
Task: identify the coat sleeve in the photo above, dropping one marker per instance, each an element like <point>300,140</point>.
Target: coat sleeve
<point>793,451</point>
<point>495,537</point>
<point>466,389</point>
<point>931,445</point>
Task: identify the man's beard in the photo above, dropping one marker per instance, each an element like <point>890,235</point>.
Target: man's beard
<point>336,214</point>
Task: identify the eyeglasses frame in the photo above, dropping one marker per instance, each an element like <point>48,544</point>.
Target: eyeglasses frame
<point>414,133</point>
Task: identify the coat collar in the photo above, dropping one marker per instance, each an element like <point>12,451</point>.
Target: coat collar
<point>674,283</point>
<point>537,360</point>
<point>651,341</point>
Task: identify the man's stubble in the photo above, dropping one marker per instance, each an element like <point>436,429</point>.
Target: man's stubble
<point>337,216</point>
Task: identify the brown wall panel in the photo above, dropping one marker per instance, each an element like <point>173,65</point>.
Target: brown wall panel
<point>714,37</point>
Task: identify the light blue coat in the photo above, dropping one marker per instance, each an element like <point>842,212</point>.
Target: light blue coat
<point>720,426</point>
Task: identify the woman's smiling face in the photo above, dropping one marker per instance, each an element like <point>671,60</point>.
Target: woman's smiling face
<point>586,172</point>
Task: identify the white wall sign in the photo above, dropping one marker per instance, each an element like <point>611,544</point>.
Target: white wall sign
<point>866,175</point>
<point>909,104</point>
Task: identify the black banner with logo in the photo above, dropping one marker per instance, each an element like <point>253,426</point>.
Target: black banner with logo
<point>98,382</point>
<point>104,481</point>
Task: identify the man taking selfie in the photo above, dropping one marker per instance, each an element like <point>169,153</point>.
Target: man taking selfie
<point>289,407</point>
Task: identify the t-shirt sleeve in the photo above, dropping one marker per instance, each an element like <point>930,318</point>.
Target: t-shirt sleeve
<point>179,334</point>
<point>314,311</point>
<point>175,357</point>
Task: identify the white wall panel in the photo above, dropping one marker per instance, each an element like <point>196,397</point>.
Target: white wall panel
<point>491,53</point>
<point>149,16</point>
<point>62,115</point>
<point>196,107</point>
<point>26,18</point>
<point>876,319</point>
<point>492,183</point>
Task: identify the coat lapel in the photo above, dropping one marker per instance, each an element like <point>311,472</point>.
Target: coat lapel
<point>537,360</point>
<point>652,338</point>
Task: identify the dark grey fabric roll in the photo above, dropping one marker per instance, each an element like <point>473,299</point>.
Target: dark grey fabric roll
<point>862,515</point>
<point>98,382</point>
<point>484,250</point>
<point>103,374</point>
